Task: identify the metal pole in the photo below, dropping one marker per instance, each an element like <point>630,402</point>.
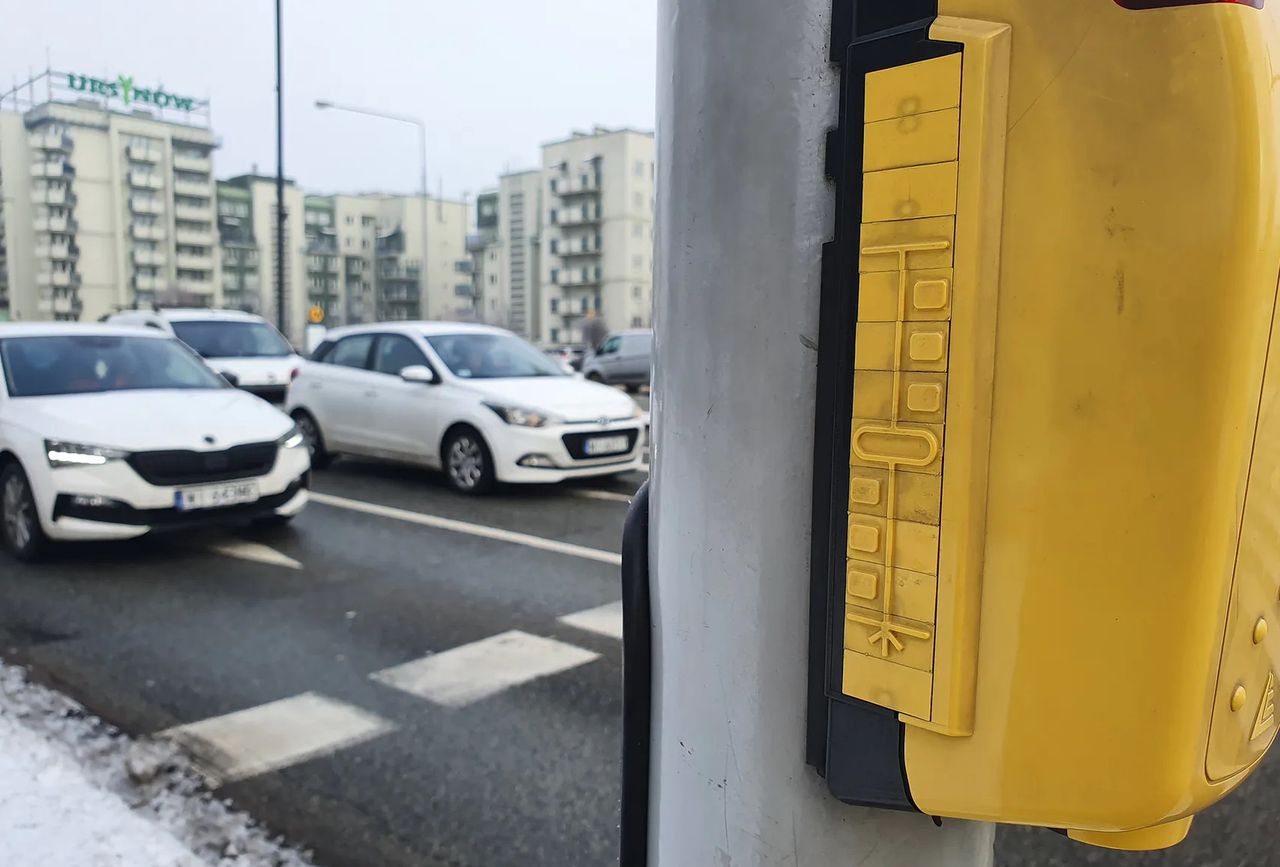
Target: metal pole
<point>730,585</point>
<point>281,323</point>
<point>422,152</point>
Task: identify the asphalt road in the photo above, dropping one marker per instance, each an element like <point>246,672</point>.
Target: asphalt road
<point>314,670</point>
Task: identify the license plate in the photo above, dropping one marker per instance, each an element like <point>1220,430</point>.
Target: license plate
<point>215,496</point>
<point>605,445</point>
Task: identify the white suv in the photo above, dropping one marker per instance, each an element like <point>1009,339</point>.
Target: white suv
<point>241,346</point>
<point>475,401</point>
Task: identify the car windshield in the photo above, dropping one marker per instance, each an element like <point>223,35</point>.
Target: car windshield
<point>491,356</point>
<point>85,364</point>
<point>214,338</point>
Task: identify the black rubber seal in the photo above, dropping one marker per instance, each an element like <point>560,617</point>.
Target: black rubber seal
<point>637,683</point>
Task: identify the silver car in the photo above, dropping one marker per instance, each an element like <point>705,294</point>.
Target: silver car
<point>624,358</point>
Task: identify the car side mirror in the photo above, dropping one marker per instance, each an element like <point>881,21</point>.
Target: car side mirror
<point>231,378</point>
<point>418,373</point>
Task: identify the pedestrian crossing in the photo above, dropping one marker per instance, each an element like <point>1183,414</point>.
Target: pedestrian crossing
<point>257,740</point>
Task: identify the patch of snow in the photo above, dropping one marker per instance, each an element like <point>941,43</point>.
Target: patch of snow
<point>76,791</point>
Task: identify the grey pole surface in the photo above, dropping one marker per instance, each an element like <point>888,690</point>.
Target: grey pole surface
<point>422,179</point>
<point>745,97</point>
<point>281,319</point>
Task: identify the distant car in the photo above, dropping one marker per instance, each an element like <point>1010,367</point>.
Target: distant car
<point>108,432</point>
<point>475,401</point>
<point>624,358</point>
<point>242,346</point>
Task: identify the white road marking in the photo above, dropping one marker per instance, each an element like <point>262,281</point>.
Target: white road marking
<point>466,674</point>
<point>254,552</point>
<point>275,735</point>
<point>470,529</point>
<point>589,494</point>
<point>605,620</point>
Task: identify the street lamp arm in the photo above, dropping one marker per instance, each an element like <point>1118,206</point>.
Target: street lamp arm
<point>385,115</point>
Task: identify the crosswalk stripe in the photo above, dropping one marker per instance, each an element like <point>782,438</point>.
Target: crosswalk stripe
<point>470,529</point>
<point>471,672</point>
<point>604,620</point>
<point>250,742</point>
<point>253,552</point>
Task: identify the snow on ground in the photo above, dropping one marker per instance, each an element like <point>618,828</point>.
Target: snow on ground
<point>75,791</point>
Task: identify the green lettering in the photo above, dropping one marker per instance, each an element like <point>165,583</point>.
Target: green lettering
<point>77,82</point>
<point>126,87</point>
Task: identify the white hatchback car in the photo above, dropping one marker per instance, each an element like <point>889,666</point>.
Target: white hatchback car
<point>475,401</point>
<point>109,432</point>
<point>242,346</point>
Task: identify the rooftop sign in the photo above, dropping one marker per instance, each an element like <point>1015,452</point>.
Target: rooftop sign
<point>123,88</point>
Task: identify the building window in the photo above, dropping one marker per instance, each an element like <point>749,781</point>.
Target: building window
<point>639,169</point>
<point>555,276</point>
<point>637,322</point>
<point>350,219</point>
<point>554,215</point>
<point>555,245</point>
<point>555,185</point>
<point>597,274</point>
<point>346,242</point>
<point>366,221</point>
<point>493,279</point>
<point>637,262</point>
<point>555,335</point>
<point>637,199</point>
<point>596,303</point>
<point>364,244</point>
<point>635,292</point>
<point>555,305</point>
<point>493,257</point>
<point>584,305</point>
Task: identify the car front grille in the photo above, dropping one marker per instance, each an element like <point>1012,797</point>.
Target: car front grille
<point>269,393</point>
<point>193,468</point>
<point>576,443</point>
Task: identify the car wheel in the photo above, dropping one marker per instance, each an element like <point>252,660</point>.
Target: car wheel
<point>468,464</point>
<point>19,522</point>
<point>320,456</point>
<point>595,377</point>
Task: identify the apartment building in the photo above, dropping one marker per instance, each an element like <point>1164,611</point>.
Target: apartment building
<point>104,207</point>
<point>509,289</point>
<point>597,236</point>
<point>358,258</point>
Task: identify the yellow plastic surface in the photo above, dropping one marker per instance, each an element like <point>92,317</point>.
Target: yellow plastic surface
<point>1123,516</point>
<point>922,381</point>
<point>1158,837</point>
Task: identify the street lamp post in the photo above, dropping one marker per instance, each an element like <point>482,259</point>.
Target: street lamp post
<point>422,153</point>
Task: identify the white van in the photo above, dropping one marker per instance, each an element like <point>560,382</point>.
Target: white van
<point>244,347</point>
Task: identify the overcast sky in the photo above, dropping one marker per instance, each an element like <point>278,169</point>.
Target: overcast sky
<point>492,78</point>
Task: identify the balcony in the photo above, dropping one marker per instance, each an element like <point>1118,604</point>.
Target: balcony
<point>150,258</point>
<point>390,273</point>
<point>188,163</point>
<point>53,169</point>
<point>194,261</point>
<point>60,304</point>
<point>146,233</point>
<point>144,153</point>
<point>194,237</point>
<point>61,224</point>
<point>145,180</point>
<point>146,205</point>
<point>575,187</point>
<point>584,217</point>
<point>58,279</point>
<point>191,288</point>
<point>145,283</point>
<point>579,247</point>
<point>50,139</point>
<point>64,251</point>
<point>199,189</point>
<point>60,195</point>
<point>577,282</point>
<point>193,212</point>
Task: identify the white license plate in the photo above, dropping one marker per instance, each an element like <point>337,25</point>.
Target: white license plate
<point>215,496</point>
<point>605,446</point>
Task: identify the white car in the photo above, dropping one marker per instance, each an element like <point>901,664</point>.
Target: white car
<point>110,432</point>
<point>475,401</point>
<point>244,348</point>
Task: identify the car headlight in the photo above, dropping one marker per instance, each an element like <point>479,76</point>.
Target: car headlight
<point>63,454</point>
<point>293,439</point>
<point>522,417</point>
